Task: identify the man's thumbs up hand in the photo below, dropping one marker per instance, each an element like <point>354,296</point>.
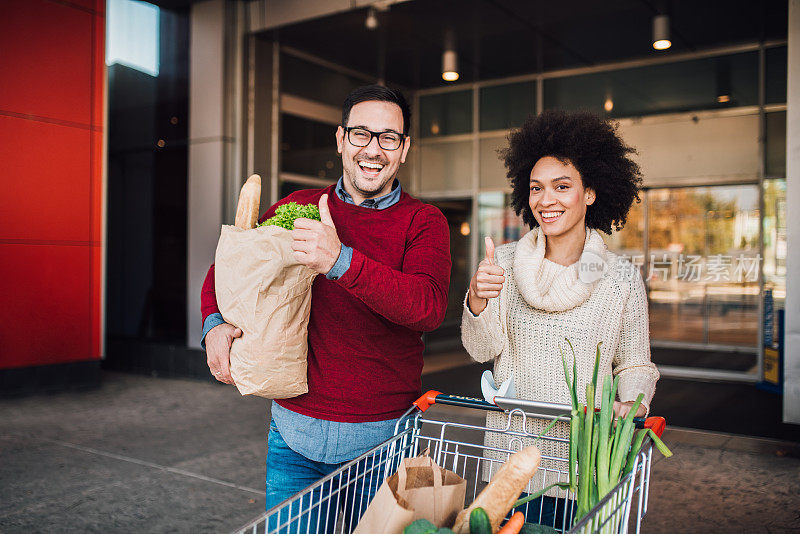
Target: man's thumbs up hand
<point>487,282</point>
<point>324,212</point>
<point>315,243</point>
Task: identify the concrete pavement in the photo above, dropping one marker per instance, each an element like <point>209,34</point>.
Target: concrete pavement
<point>145,454</point>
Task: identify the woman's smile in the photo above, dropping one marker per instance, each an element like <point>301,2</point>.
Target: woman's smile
<point>550,216</point>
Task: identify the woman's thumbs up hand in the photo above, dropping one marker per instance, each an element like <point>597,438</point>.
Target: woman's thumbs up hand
<point>489,249</point>
<point>487,282</point>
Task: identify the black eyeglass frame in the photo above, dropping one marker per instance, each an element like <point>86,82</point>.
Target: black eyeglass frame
<point>348,129</point>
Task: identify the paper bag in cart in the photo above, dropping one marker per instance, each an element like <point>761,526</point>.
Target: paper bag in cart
<point>419,490</point>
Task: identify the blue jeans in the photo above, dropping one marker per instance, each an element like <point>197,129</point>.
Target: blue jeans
<point>288,473</point>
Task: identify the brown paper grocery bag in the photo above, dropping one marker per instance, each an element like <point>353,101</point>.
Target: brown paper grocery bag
<point>264,291</point>
<point>419,490</point>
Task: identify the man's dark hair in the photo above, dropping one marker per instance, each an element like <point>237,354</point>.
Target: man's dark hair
<point>593,147</point>
<point>381,93</point>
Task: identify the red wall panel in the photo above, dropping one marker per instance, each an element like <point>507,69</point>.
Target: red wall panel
<point>96,216</point>
<point>47,304</point>
<point>99,67</point>
<point>49,72</point>
<point>51,160</point>
<point>97,302</point>
<point>85,4</point>
<point>46,181</point>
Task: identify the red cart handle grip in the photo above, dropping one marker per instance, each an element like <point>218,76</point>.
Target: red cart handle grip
<point>656,424</point>
<point>425,401</point>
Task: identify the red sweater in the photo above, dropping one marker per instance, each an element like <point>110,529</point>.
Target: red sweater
<point>364,334</point>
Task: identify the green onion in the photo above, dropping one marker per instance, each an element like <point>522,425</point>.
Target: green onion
<point>574,429</point>
<point>586,478</point>
<point>636,446</point>
<point>603,454</point>
<point>599,449</point>
<point>621,448</point>
<point>660,445</point>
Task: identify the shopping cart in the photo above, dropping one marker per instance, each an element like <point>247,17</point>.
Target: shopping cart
<point>337,502</point>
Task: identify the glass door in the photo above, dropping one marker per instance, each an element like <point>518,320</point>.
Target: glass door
<point>702,273</point>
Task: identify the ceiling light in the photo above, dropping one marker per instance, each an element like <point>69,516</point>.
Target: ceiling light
<point>449,58</point>
<point>372,19</point>
<point>661,32</point>
<point>449,66</point>
<point>608,105</point>
<point>465,228</point>
<point>723,79</point>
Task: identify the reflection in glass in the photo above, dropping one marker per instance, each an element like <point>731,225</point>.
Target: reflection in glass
<point>445,114</point>
<point>708,83</point>
<point>305,79</point>
<point>775,239</point>
<point>507,106</point>
<point>498,221</point>
<point>776,59</point>
<point>146,283</point>
<point>492,169</point>
<point>133,35</point>
<point>629,242</point>
<point>448,336</point>
<point>446,166</point>
<point>287,187</point>
<point>458,214</point>
<point>775,144</point>
<point>308,148</point>
<point>703,264</point>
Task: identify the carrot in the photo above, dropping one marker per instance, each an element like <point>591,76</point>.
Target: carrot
<point>513,525</point>
<point>503,490</point>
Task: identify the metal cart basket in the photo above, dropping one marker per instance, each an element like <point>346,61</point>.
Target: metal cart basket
<point>336,503</point>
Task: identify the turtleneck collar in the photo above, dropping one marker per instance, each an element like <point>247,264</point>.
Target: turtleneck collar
<point>551,287</point>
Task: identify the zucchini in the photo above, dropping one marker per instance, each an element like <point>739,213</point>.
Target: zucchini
<point>479,522</point>
<point>535,528</point>
<point>421,526</point>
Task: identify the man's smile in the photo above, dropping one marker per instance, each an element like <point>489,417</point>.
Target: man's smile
<point>371,169</point>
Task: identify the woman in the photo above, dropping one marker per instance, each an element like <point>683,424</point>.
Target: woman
<point>572,177</point>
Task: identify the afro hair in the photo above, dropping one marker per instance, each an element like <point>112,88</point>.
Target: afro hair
<point>593,146</point>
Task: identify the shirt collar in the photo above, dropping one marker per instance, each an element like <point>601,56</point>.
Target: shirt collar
<point>380,203</point>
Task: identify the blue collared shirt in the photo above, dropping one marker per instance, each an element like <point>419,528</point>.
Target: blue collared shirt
<point>336,442</point>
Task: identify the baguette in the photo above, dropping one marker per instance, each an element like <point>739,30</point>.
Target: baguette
<point>503,490</point>
<point>249,203</point>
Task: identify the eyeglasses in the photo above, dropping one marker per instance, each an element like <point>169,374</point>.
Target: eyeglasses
<point>361,137</point>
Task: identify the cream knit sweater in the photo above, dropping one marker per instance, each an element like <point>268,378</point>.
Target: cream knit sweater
<point>540,305</point>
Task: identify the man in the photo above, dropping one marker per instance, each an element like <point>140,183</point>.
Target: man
<point>384,258</point>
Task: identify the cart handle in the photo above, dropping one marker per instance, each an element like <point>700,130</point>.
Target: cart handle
<point>433,397</point>
<point>657,424</point>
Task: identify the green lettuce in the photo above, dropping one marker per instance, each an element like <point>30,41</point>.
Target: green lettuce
<point>285,214</point>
